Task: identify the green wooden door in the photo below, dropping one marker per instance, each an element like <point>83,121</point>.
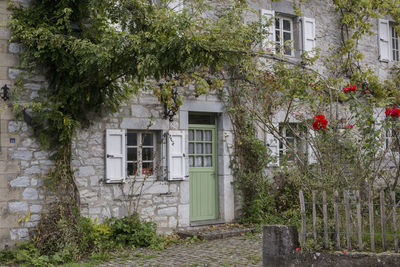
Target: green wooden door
<point>202,172</point>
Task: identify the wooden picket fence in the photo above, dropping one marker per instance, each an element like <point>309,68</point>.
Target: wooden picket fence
<point>356,219</point>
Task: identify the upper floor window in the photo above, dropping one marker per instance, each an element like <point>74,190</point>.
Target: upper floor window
<point>287,34</point>
<point>395,44</point>
<point>284,35</point>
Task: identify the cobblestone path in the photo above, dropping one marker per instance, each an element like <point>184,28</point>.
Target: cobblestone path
<point>234,251</point>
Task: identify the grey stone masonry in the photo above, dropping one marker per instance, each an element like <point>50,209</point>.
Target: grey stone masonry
<point>279,243</point>
<point>23,164</point>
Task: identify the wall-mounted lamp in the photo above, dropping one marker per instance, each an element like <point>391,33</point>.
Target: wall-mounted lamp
<point>5,92</point>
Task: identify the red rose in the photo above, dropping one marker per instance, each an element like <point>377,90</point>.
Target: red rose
<point>367,92</point>
<point>395,113</point>
<point>315,125</point>
<point>350,88</point>
<point>298,249</point>
<point>388,112</point>
<point>319,122</point>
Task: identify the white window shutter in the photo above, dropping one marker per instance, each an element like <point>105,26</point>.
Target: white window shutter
<point>176,5</point>
<point>383,40</point>
<point>273,144</point>
<point>115,155</point>
<point>268,41</point>
<point>176,155</point>
<point>309,37</point>
<point>312,158</point>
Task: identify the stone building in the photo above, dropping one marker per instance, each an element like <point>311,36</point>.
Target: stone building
<point>174,173</point>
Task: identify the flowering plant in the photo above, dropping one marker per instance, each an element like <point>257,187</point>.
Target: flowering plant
<point>350,89</point>
<point>319,122</point>
<point>395,112</point>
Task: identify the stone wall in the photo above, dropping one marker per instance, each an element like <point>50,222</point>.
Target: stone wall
<point>23,164</point>
<point>164,202</point>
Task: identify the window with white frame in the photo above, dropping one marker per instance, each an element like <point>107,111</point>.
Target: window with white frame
<point>394,44</point>
<point>393,140</point>
<point>292,141</point>
<point>141,153</point>
<point>284,42</point>
<point>287,34</point>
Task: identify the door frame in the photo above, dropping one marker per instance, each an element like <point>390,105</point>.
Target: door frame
<point>214,128</point>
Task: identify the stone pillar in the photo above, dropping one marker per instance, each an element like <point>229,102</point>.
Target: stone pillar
<point>279,243</point>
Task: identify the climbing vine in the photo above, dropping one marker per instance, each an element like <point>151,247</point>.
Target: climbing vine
<point>97,54</point>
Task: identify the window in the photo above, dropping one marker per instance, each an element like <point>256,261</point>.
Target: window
<point>293,141</point>
<point>287,34</point>
<point>392,140</point>
<point>395,43</point>
<point>284,35</point>
<point>140,153</point>
<point>200,148</point>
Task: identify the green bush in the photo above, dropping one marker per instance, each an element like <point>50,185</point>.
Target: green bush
<point>85,239</point>
<point>133,232</point>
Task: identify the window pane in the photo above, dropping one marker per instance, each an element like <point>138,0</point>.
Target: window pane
<point>147,168</point>
<point>207,161</point>
<point>277,23</point>
<point>199,161</point>
<point>191,135</point>
<point>207,135</point>
<point>287,36</point>
<point>191,161</point>
<point>286,25</point>
<point>147,154</point>
<point>132,154</point>
<point>199,148</point>
<point>132,168</point>
<point>208,119</point>
<point>277,36</point>
<point>289,131</point>
<point>199,135</point>
<point>132,139</point>
<point>208,148</point>
<point>148,139</point>
<point>191,148</point>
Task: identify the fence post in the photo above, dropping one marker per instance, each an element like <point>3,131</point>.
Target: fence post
<point>336,212</point>
<point>347,213</point>
<point>383,226</point>
<point>371,219</point>
<point>395,239</point>
<point>303,218</point>
<point>325,212</point>
<point>359,221</point>
<point>314,215</point>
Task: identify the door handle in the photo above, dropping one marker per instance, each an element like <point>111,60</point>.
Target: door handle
<point>110,156</point>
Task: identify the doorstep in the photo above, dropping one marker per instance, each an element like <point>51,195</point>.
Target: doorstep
<point>216,231</point>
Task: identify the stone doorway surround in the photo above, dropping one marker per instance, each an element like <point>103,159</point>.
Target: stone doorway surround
<point>226,197</point>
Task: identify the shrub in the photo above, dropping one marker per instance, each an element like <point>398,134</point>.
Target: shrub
<point>133,232</point>
<point>87,238</point>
